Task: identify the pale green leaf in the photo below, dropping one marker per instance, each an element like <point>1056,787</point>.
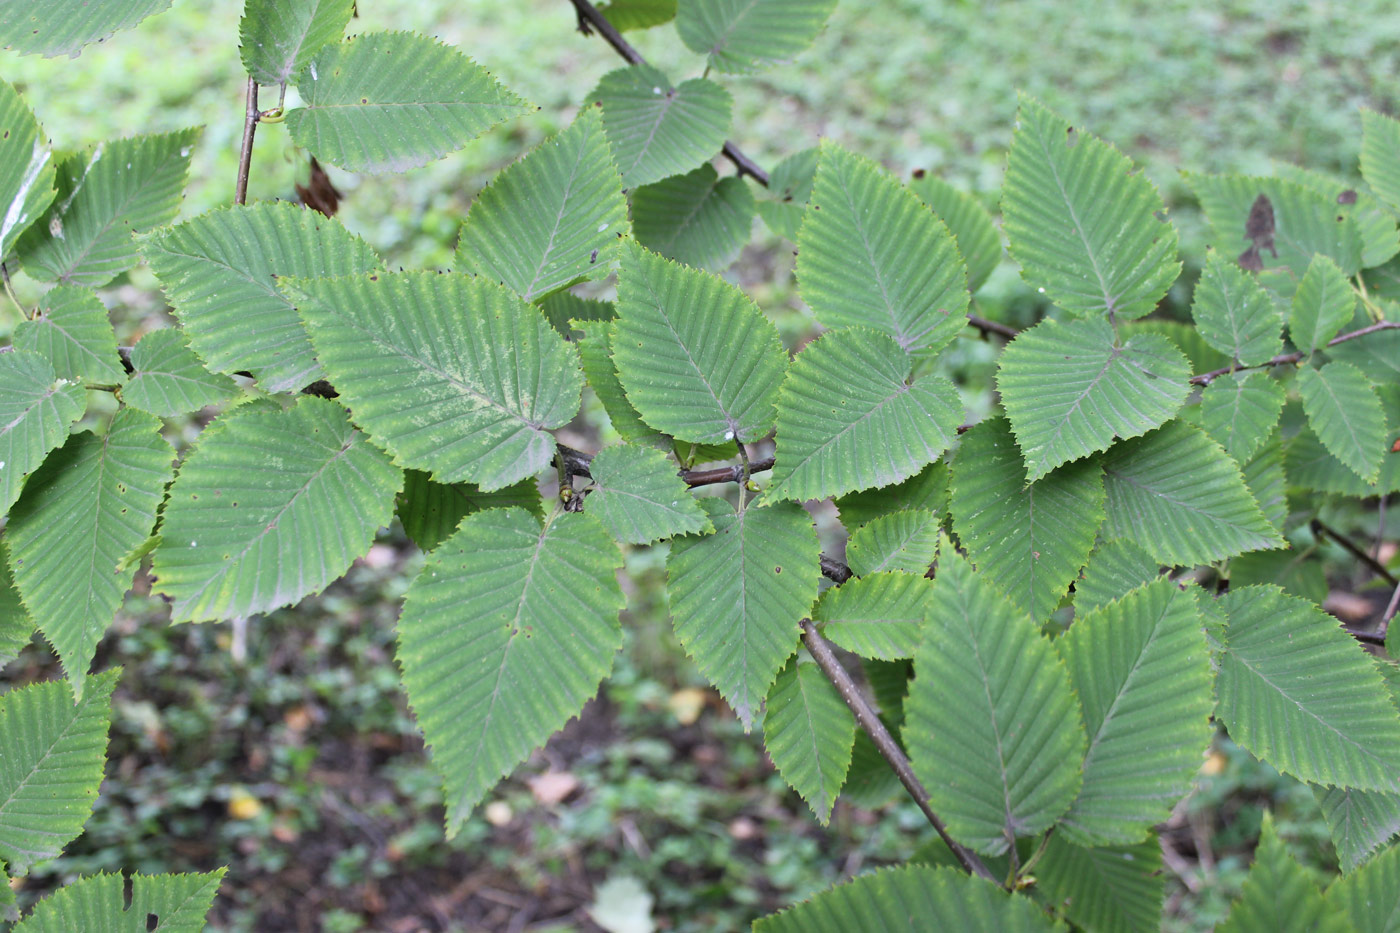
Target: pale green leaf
<point>1141,669</point>
<point>72,331</point>
<point>219,272</point>
<point>871,427</point>
<point>738,595</point>
<point>742,36</point>
<point>91,502</point>
<point>911,899</point>
<point>550,219</point>
<point>1359,821</point>
<point>1031,540</point>
<point>1380,240</point>
<point>1323,303</point>
<point>639,498</point>
<point>392,101</point>
<point>1181,497</point>
<point>697,218</point>
<point>595,351</point>
<point>167,379</point>
<point>1070,389</point>
<point>789,187</point>
<point>1303,695</point>
<point>63,27</point>
<point>1235,314</point>
<point>1115,568</point>
<point>697,357</point>
<point>1088,230</point>
<point>639,14</point>
<point>26,162</point>
<point>906,540</point>
<point>808,732</point>
<point>927,490</point>
<point>977,239</point>
<point>277,38</point>
<point>504,635</point>
<point>991,723</point>
<point>1380,156</point>
<point>1278,894</point>
<point>431,511</point>
<point>52,766</point>
<point>449,373</point>
<point>871,253</point>
<point>105,194</point>
<point>1370,896</point>
<point>878,616</point>
<point>1117,889</point>
<point>98,904</point>
<point>657,129</point>
<point>16,628</point>
<point>36,411</point>
<point>1346,415</point>
<point>1240,410</point>
<point>268,508</point>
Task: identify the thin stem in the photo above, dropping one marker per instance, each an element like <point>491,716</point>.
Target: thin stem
<point>745,473</point>
<point>1380,528</point>
<point>245,154</point>
<point>889,749</point>
<point>1039,852</point>
<point>1390,609</point>
<point>992,327</point>
<point>1286,359</point>
<point>10,290</point>
<point>1355,550</point>
<point>282,96</point>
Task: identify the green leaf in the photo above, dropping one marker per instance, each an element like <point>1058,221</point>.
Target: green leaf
<point>639,14</point>
<point>872,427</point>
<point>909,899</point>
<point>784,201</point>
<point>219,272</point>
<point>278,37</point>
<point>1359,821</point>
<point>879,616</point>
<point>16,628</point>
<point>1305,222</point>
<point>1380,156</point>
<point>1240,410</point>
<point>562,308</point>
<point>976,236</point>
<point>1370,897</point>
<point>927,490</point>
<point>871,253</point>
<point>1031,540</point>
<point>1303,695</point>
<point>906,540</point>
<point>697,357</point>
<point>98,904</point>
<point>1070,389</point>
<point>697,218</point>
<point>63,27</point>
<point>595,350</point>
<point>1115,569</point>
<point>449,373</point>
<point>870,782</point>
<point>550,219</point>
<point>1377,354</point>
<point>431,511</point>
<point>54,753</point>
<point>1380,240</point>
<point>1344,411</point>
<point>737,596</point>
<point>1088,230</point>
<point>268,508</point>
<point>105,194</point>
<point>1116,889</point>
<point>1278,894</point>
<point>1323,303</point>
<point>26,162</point>
<point>639,498</point>
<point>169,380</point>
<point>504,635</point>
<point>1235,314</point>
<point>81,512</point>
<point>742,36</point>
<point>36,411</point>
<point>808,733</point>
<point>1264,476</point>
<point>1182,498</point>
<point>1141,669</point>
<point>392,101</point>
<point>657,129</point>
<point>1186,337</point>
<point>991,722</point>
<point>1310,465</point>
<point>72,331</point>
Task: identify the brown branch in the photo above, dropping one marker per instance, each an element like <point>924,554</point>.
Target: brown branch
<point>1355,550</point>
<point>992,327</point>
<point>889,749</point>
<point>245,154</point>
<point>577,462</point>
<point>1286,359</point>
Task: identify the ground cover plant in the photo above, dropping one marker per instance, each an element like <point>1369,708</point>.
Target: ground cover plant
<point>1041,609</point>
